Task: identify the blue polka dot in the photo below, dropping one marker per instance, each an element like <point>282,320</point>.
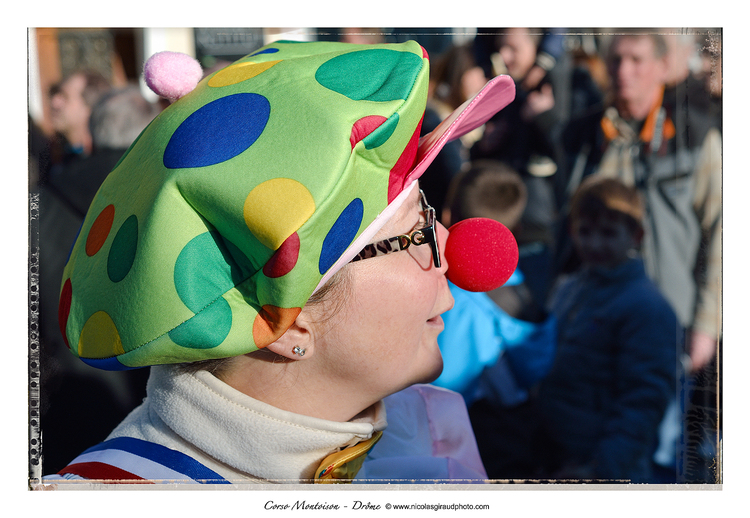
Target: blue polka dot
<point>265,51</point>
<point>341,235</point>
<point>107,364</point>
<point>218,131</point>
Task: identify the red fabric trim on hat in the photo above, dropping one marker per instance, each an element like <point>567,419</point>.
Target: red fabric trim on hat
<point>404,165</point>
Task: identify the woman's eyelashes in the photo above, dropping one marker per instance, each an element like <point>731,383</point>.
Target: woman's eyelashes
<point>421,220</point>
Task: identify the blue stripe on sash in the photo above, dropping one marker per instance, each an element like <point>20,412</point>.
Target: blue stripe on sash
<point>172,459</point>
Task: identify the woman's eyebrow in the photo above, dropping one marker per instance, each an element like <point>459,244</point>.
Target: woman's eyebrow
<point>416,225</point>
<point>418,206</point>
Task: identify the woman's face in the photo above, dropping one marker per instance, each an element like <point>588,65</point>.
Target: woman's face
<point>384,337</point>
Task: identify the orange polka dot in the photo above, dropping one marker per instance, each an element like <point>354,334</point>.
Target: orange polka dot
<point>271,323</point>
<point>100,230</point>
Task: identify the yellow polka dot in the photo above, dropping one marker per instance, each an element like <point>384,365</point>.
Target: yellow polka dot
<point>276,209</point>
<point>99,337</point>
<point>239,72</point>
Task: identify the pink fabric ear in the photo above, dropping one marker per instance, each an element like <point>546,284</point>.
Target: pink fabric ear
<point>172,74</point>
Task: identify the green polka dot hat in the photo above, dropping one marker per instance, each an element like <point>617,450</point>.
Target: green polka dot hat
<point>245,195</point>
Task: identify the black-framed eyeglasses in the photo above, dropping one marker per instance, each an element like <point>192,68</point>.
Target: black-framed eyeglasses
<point>404,241</point>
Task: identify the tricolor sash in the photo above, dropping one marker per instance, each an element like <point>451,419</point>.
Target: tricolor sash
<point>126,460</point>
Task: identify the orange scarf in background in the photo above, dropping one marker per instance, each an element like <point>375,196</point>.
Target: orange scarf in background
<point>649,126</point>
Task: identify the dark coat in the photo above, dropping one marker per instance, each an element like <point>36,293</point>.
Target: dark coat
<point>614,373</point>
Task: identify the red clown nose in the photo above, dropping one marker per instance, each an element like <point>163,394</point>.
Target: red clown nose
<point>482,254</point>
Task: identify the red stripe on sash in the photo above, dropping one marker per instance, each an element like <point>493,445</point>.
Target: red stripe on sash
<point>102,471</point>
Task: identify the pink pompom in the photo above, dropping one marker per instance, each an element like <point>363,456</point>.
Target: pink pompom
<point>172,74</point>
<point>482,254</point>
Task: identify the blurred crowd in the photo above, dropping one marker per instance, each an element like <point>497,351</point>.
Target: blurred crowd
<point>599,359</point>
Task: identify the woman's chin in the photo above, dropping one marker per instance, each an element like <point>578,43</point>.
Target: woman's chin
<point>434,372</point>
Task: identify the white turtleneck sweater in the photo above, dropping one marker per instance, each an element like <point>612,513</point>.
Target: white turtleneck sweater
<point>246,441</point>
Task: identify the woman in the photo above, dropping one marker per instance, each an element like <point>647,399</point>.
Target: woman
<point>242,247</point>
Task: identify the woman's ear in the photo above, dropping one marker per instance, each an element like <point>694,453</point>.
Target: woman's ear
<point>297,342</point>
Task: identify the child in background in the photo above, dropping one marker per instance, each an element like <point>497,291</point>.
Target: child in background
<point>618,339</point>
<point>481,326</point>
<point>496,346</point>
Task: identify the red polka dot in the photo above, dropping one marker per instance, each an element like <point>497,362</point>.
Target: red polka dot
<point>100,230</point>
<point>403,166</point>
<point>364,127</point>
<point>63,310</point>
<point>271,323</point>
<point>285,258</point>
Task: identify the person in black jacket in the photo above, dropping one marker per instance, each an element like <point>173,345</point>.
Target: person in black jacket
<point>115,121</point>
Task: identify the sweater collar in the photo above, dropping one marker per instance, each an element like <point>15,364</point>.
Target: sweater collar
<point>248,435</point>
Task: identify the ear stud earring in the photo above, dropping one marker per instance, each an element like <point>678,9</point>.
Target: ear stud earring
<point>299,351</point>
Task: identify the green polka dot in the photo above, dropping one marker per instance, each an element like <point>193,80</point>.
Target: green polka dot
<point>205,330</point>
<point>122,252</point>
<point>371,75</point>
<point>207,267</point>
<point>383,132</point>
